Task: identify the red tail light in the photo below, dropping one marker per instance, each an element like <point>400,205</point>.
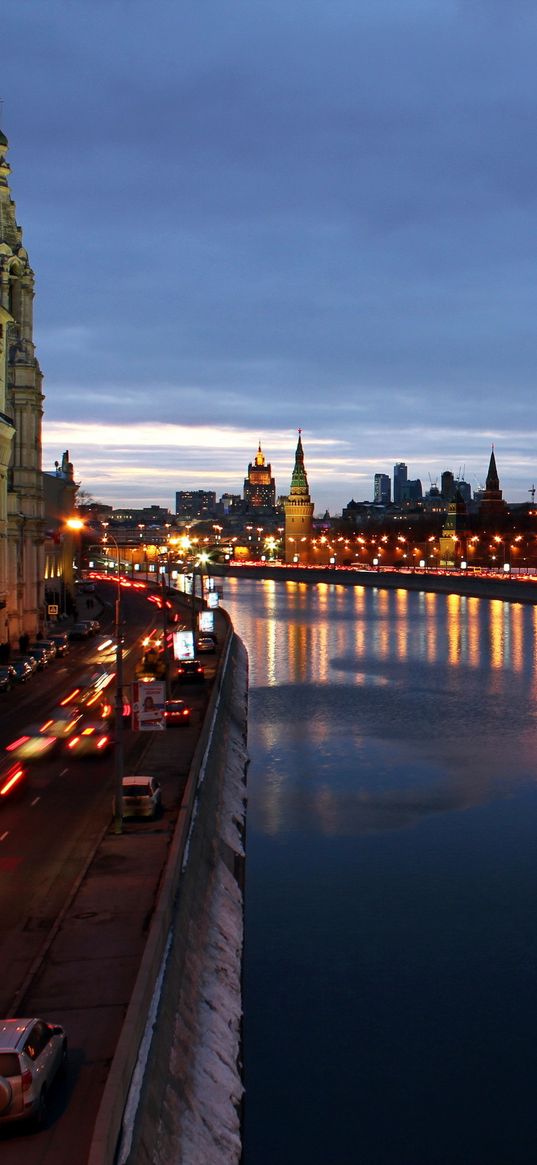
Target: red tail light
<point>16,776</point>
<point>26,1080</point>
<point>15,743</point>
<point>102,742</point>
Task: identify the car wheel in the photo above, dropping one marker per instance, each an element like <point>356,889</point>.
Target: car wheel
<point>40,1118</point>
<point>5,1094</point>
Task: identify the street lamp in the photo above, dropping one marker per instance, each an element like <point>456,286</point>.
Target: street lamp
<point>118,768</point>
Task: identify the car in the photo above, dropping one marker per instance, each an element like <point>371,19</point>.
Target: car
<point>61,642</point>
<point>62,722</point>
<point>177,712</point>
<point>23,671</point>
<point>32,1053</point>
<point>8,677</point>
<point>79,631</point>
<point>206,644</point>
<point>32,744</point>
<point>13,778</point>
<point>41,654</point>
<point>106,708</point>
<point>190,671</point>
<point>30,660</point>
<point>141,797</point>
<point>49,646</point>
<point>92,739</point>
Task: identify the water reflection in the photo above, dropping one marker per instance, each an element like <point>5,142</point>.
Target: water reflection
<point>379,709</point>
<point>391,877</point>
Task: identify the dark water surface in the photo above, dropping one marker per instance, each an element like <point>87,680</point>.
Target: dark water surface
<point>391,913</point>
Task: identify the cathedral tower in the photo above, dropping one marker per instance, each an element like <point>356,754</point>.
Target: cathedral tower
<point>21,410</point>
<point>298,512</point>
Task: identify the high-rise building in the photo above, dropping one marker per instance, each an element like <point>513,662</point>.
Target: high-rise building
<point>298,510</point>
<point>259,490</point>
<point>382,494</point>
<point>195,503</point>
<point>400,478</point>
<point>448,485</point>
<point>21,410</point>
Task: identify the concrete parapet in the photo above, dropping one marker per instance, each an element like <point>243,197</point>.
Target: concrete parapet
<point>179,895</point>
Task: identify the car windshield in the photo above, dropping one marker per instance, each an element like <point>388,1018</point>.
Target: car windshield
<point>141,790</point>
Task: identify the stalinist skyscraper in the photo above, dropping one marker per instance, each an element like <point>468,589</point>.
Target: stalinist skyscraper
<point>298,513</point>
<point>21,410</point>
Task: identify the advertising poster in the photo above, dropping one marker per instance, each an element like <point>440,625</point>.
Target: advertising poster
<point>183,645</point>
<point>148,706</point>
<point>206,621</point>
<point>213,599</point>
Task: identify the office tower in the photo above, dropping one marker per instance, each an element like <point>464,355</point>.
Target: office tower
<point>382,495</point>
<point>400,477</point>
<point>448,485</point>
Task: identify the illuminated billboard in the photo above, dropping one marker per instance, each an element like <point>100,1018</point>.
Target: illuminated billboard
<point>206,621</point>
<point>183,645</point>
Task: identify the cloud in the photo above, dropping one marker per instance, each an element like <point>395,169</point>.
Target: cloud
<point>272,215</point>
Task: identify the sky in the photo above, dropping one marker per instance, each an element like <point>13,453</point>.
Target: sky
<point>250,216</point>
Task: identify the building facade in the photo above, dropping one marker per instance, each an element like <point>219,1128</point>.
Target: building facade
<point>382,489</point>
<point>298,510</point>
<point>21,411</point>
<point>491,503</point>
<point>195,503</point>
<point>259,491</point>
<point>400,478</point>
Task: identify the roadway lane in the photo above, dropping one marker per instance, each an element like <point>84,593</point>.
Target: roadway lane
<point>47,837</point>
<point>86,980</point>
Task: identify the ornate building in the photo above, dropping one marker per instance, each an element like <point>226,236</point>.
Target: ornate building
<point>61,545</point>
<point>259,491</point>
<point>21,410</point>
<point>298,513</point>
<point>491,503</point>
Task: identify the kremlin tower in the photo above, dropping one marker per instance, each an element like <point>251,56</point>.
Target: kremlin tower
<point>298,513</point>
<point>491,503</point>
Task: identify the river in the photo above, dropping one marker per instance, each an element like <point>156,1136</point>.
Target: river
<point>391,880</point>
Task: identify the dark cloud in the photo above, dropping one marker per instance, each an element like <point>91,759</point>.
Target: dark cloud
<point>276,214</point>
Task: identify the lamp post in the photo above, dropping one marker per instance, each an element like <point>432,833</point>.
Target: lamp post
<point>118,723</point>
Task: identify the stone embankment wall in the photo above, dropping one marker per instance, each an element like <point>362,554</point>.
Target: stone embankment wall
<point>180,1046</point>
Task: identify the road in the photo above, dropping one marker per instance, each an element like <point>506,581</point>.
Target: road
<point>46,842</point>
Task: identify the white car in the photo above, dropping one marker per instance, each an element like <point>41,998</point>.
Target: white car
<point>141,797</point>
<point>32,1052</point>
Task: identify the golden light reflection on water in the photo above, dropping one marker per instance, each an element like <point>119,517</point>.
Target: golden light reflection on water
<point>383,625</point>
<point>369,650</point>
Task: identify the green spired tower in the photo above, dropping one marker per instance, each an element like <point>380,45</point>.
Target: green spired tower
<point>298,513</point>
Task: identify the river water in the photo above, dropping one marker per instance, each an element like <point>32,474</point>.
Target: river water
<point>391,884</point>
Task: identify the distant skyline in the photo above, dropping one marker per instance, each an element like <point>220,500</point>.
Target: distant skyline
<point>264,216</point>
